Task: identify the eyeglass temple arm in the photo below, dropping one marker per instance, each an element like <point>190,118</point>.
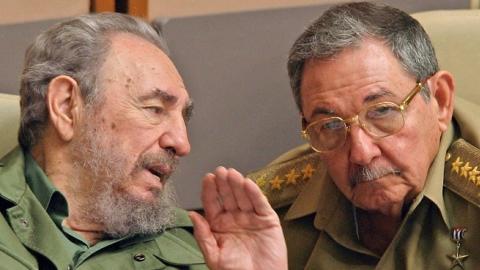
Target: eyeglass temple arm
<point>410,96</point>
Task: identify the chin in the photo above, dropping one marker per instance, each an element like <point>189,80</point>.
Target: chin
<point>141,193</point>
<point>378,202</point>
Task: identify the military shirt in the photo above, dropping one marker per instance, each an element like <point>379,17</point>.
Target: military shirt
<point>318,220</point>
<point>32,237</point>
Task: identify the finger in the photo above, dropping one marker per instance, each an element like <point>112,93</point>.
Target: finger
<point>226,193</point>
<point>205,239</point>
<point>210,196</point>
<point>237,185</point>
<point>259,201</point>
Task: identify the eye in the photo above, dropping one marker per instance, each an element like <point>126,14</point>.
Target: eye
<point>333,125</point>
<point>381,111</point>
<point>154,109</point>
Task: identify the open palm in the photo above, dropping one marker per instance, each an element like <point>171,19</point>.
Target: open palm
<point>240,229</point>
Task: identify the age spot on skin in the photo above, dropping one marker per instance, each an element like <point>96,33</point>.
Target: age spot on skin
<point>113,126</point>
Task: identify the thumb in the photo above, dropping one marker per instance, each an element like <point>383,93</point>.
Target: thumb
<point>205,239</point>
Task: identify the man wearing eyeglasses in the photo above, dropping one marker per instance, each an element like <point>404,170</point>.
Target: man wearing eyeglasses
<point>391,180</point>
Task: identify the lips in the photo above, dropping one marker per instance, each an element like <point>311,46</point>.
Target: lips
<point>161,171</point>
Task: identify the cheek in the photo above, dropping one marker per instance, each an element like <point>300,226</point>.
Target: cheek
<point>337,167</point>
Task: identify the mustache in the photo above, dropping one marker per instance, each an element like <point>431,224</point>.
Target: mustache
<point>361,174</point>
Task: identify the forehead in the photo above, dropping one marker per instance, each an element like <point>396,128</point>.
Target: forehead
<point>134,66</point>
<point>347,78</point>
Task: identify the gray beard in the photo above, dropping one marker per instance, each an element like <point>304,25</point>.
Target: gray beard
<point>103,202</point>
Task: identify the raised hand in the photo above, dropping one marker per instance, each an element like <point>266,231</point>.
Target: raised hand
<point>240,229</point>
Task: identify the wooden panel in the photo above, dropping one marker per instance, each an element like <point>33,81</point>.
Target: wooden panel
<point>102,6</point>
<point>21,11</point>
<point>182,8</point>
<point>138,8</point>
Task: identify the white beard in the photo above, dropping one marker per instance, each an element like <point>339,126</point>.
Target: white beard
<point>104,203</point>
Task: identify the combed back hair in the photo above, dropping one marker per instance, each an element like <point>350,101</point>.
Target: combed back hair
<point>347,25</point>
<point>75,48</point>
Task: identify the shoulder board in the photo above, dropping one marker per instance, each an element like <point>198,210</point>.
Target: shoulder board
<point>462,171</point>
<point>283,179</point>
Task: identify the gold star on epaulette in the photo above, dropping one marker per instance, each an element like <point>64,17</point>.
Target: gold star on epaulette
<point>307,171</point>
<point>465,169</point>
<point>473,175</point>
<point>456,165</point>
<point>276,183</point>
<point>262,181</point>
<point>292,177</point>
<point>462,172</point>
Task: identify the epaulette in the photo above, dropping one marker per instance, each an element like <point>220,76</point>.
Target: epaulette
<point>283,179</point>
<point>462,171</point>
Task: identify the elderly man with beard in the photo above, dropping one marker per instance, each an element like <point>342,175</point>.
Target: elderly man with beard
<point>389,180</point>
<point>103,124</point>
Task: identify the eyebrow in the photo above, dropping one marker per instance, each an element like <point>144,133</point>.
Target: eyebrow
<point>158,93</point>
<point>188,110</point>
<point>378,94</point>
<point>322,110</point>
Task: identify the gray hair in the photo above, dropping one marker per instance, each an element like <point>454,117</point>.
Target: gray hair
<point>347,25</point>
<point>76,48</point>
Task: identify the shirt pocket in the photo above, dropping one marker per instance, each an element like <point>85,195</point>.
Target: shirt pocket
<point>177,253</point>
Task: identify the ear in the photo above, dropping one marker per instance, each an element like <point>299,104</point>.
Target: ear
<point>442,88</point>
<point>64,105</point>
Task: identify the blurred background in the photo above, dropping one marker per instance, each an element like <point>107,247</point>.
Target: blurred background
<point>232,56</point>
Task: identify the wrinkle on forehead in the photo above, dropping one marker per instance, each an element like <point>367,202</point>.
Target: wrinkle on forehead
<point>341,100</point>
<point>130,56</point>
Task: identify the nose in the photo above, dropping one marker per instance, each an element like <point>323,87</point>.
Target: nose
<point>175,138</point>
<point>363,148</point>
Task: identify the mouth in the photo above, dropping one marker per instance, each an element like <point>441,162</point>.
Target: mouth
<point>161,172</point>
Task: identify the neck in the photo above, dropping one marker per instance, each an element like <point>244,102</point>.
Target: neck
<point>93,234</point>
<point>58,167</point>
<point>376,230</point>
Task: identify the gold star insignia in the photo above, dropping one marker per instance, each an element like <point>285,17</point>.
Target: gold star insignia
<point>457,259</point>
<point>465,169</point>
<point>292,177</point>
<point>276,183</point>
<point>307,171</point>
<point>456,165</point>
<point>262,181</point>
<point>472,175</point>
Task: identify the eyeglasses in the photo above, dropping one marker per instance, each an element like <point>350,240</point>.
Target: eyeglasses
<point>378,120</point>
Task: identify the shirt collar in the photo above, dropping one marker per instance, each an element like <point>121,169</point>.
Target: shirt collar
<point>433,189</point>
<point>12,180</point>
<point>47,194</point>
<point>38,181</point>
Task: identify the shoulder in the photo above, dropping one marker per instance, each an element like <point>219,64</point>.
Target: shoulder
<point>283,179</point>
<point>462,171</point>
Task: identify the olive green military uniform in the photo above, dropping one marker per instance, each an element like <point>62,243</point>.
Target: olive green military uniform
<point>318,220</point>
<point>32,235</point>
